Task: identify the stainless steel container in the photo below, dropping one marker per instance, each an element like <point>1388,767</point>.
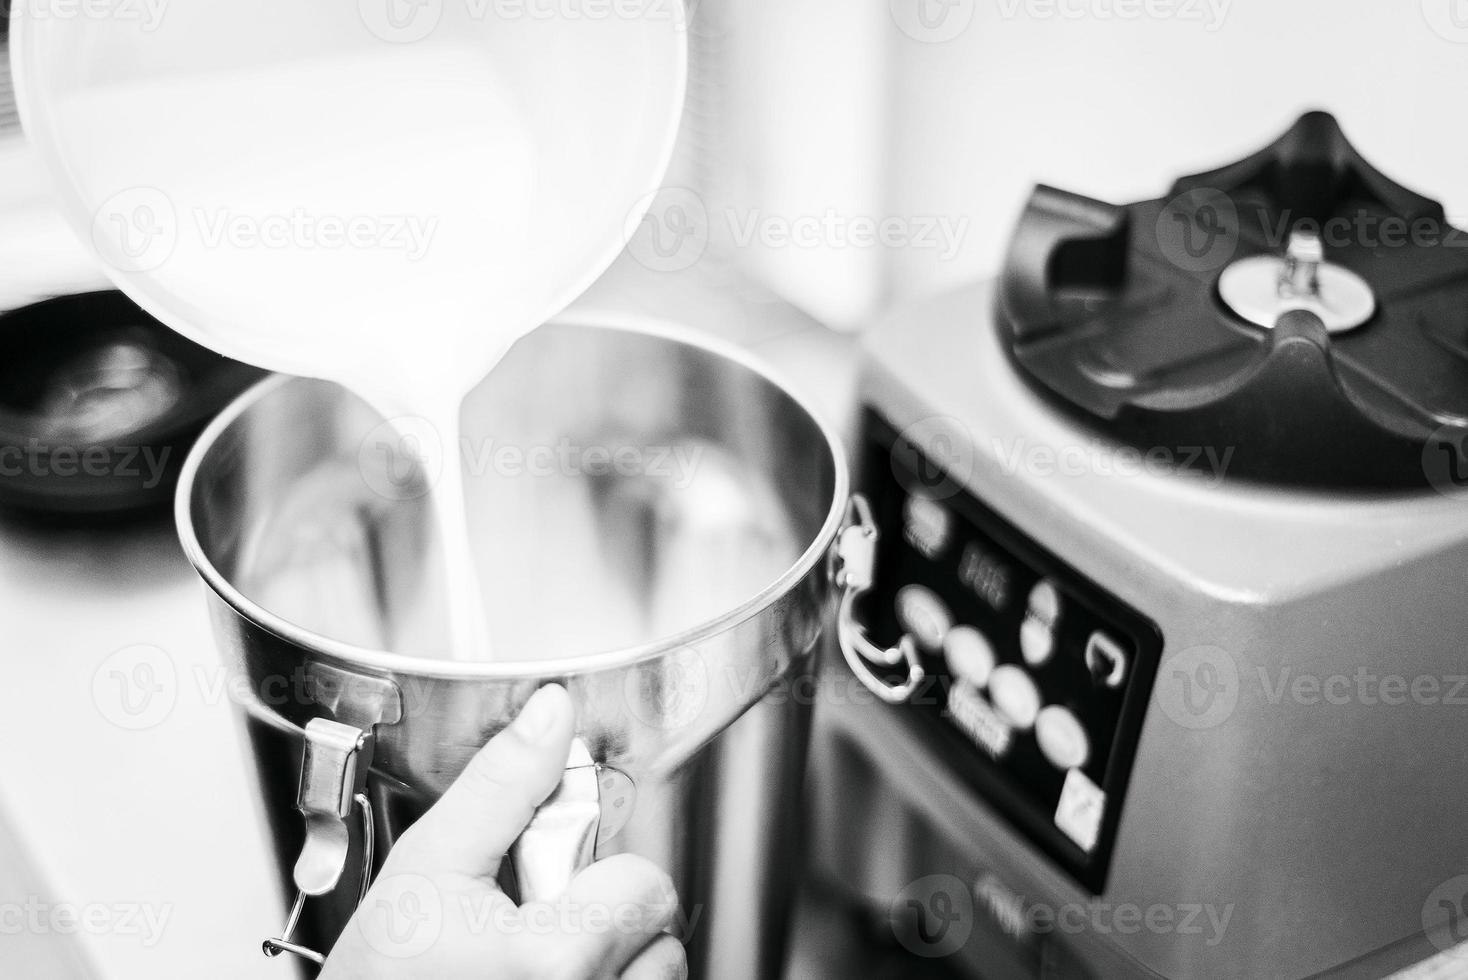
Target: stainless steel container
<point>658,526</point>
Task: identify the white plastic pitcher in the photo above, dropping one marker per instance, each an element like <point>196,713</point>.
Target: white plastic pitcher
<point>284,181</point>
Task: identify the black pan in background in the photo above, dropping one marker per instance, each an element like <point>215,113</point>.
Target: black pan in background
<point>99,404</point>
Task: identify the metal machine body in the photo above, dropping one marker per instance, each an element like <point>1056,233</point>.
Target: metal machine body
<point>1275,815</point>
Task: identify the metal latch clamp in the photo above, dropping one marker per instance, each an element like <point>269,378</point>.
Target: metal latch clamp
<point>333,781</point>
<point>334,767</point>
<point>855,571</point>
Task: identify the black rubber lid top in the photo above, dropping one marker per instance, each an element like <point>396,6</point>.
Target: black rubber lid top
<point>1116,314</point>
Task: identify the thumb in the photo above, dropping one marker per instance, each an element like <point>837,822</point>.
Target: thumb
<point>472,826</point>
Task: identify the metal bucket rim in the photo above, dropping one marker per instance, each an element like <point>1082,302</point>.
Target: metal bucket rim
<point>315,643</point>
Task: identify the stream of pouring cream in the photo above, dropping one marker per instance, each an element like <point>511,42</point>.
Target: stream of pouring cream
<point>365,223</point>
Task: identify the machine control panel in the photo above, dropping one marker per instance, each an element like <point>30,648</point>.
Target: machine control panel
<point>1038,677</point>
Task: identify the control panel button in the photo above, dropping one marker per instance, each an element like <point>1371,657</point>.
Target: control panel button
<point>1044,603</point>
<point>927,526</point>
<point>1036,642</point>
<point>977,718</point>
<point>1106,659</point>
<point>921,613</point>
<point>1015,695</point>
<point>1062,738</point>
<point>970,656</point>
<point>1081,807</point>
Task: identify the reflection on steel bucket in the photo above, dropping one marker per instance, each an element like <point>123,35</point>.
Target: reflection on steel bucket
<point>669,601</point>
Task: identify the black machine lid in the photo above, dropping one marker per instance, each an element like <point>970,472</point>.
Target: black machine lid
<point>1296,310</point>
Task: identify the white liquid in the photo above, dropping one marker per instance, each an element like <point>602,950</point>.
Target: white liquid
<point>467,205</point>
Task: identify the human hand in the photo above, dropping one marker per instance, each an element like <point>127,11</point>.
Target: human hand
<point>436,911</point>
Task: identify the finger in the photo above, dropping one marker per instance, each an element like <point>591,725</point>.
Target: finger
<point>618,906</point>
<point>472,826</point>
<point>663,959</point>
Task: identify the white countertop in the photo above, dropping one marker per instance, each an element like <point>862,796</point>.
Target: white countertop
<point>121,822</point>
<point>154,835</point>
<point>149,836</point>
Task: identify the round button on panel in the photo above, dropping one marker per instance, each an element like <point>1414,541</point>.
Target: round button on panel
<point>1036,642</point>
<point>922,613</point>
<point>1015,695</point>
<point>1044,602</point>
<point>1062,738</point>
<point>969,655</point>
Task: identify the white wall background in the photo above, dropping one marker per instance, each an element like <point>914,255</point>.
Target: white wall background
<point>1111,98</point>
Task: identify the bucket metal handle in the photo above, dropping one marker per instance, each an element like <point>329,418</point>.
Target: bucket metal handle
<point>591,805</point>
<point>561,838</point>
<point>334,767</point>
<point>333,781</point>
<point>856,563</point>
